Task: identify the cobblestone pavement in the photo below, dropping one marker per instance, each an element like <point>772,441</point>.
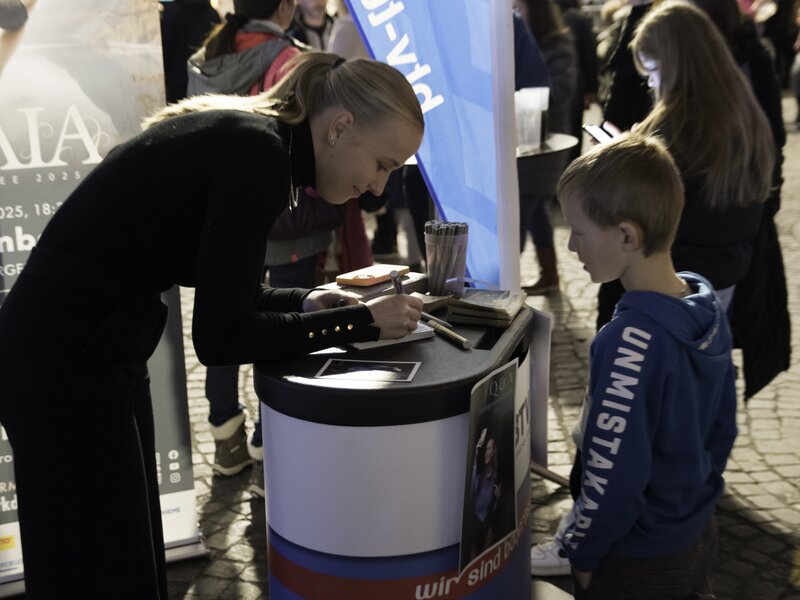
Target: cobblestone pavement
<point>759,516</point>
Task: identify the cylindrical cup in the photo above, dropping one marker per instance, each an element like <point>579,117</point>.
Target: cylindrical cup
<point>447,263</point>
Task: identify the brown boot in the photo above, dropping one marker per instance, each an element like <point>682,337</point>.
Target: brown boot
<point>548,274</point>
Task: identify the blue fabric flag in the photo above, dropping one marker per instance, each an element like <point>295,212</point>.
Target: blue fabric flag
<point>444,50</point>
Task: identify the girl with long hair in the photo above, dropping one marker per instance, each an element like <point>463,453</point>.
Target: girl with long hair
<point>715,129</point>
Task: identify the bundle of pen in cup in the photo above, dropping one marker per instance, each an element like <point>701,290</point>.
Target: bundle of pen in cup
<point>446,249</point>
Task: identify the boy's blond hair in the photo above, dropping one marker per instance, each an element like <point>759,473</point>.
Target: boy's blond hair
<point>632,178</point>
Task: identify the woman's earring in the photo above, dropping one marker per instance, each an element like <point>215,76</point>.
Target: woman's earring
<point>332,140</point>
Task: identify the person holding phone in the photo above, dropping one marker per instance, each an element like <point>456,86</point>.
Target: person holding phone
<point>721,140</point>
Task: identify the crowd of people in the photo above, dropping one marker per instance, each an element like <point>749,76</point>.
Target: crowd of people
<point>696,82</point>
<point>674,218</point>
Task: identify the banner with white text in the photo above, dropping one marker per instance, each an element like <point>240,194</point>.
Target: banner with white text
<point>444,49</point>
<point>76,78</point>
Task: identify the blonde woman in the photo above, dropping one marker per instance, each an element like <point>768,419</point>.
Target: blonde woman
<point>706,112</point>
<point>189,201</point>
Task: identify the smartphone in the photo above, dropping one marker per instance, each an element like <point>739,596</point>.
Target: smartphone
<point>598,133</point>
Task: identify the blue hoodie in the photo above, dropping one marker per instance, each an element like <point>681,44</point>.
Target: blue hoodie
<point>658,428</point>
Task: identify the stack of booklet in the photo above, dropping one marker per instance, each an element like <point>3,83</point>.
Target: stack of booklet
<point>495,308</point>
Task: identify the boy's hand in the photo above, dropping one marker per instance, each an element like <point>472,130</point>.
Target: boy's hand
<point>584,578</point>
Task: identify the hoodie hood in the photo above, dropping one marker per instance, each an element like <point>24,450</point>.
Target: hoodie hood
<point>236,73</point>
<point>696,320</point>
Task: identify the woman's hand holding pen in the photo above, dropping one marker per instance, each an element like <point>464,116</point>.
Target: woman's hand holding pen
<point>322,299</point>
<point>395,315</point>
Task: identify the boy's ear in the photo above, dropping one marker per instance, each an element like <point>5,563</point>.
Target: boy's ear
<point>632,236</point>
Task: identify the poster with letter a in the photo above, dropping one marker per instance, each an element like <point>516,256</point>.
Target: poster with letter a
<point>76,79</point>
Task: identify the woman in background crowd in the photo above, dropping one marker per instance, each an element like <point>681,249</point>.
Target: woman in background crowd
<point>706,112</point>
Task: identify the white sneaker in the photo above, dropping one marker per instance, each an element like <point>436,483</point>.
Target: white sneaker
<point>548,560</point>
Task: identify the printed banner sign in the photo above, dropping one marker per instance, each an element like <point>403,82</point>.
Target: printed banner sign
<point>76,78</point>
<point>444,50</point>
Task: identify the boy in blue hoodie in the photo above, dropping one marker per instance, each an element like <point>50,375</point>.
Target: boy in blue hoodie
<point>660,418</point>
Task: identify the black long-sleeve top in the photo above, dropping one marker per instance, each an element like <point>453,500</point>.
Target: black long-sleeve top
<point>190,201</point>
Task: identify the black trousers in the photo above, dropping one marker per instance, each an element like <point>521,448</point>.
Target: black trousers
<point>77,409</point>
<point>682,576</point>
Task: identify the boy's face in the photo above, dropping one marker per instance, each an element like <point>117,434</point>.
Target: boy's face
<point>600,249</point>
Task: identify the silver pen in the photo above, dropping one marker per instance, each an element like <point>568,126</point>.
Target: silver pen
<point>449,334</point>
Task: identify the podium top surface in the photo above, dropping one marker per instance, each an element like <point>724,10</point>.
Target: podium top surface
<point>440,387</point>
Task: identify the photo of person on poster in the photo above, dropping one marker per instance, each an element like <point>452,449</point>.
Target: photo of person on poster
<point>489,492</point>
<point>486,490</point>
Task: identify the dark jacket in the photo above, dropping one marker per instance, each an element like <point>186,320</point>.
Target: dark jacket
<point>184,26</point>
<point>760,314</point>
<point>629,99</point>
<point>759,68</point>
<point>558,51</point>
<point>581,25</point>
<point>529,67</point>
<point>716,243</point>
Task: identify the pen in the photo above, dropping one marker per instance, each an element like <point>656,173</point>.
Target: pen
<point>451,335</point>
<point>429,318</point>
<point>398,287</point>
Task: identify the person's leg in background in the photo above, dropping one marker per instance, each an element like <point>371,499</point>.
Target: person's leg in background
<point>354,249</point>
<point>537,221</point>
<point>384,238</point>
<point>419,203</point>
<point>226,419</point>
